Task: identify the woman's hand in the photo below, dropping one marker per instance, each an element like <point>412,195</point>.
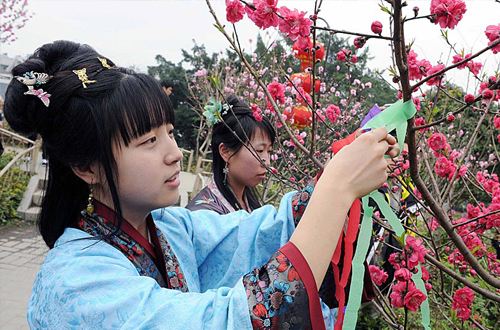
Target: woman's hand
<point>360,167</point>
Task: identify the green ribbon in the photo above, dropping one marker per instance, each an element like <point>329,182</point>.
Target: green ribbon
<point>396,118</point>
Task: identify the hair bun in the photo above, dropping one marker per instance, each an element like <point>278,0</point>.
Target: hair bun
<point>27,113</point>
<point>239,106</point>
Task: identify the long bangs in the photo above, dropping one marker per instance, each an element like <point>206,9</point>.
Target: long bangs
<point>143,106</point>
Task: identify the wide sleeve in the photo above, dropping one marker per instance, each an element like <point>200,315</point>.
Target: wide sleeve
<point>228,246</point>
<point>85,284</point>
<point>91,285</point>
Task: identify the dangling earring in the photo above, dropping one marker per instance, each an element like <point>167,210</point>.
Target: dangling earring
<point>90,206</point>
<point>225,171</point>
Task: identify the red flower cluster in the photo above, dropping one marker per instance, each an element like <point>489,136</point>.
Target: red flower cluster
<point>437,141</point>
<point>277,91</point>
<point>405,294</point>
<point>417,69</point>
<point>462,302</point>
<point>332,112</point>
<point>266,14</point>
<point>474,67</point>
<point>447,13</point>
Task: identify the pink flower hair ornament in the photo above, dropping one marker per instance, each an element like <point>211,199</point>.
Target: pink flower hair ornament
<point>33,79</point>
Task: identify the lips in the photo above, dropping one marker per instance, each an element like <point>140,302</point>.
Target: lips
<point>173,177</point>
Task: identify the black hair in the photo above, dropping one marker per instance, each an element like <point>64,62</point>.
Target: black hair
<point>81,124</point>
<point>238,128</point>
<point>166,83</point>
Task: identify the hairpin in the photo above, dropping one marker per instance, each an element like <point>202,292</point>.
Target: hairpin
<point>31,79</point>
<point>82,75</point>
<point>104,63</point>
<point>214,111</point>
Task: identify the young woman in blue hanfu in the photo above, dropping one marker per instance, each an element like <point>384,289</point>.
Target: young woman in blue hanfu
<point>118,257</point>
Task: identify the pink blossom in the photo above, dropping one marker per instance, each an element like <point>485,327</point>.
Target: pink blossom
<point>257,112</point>
<point>493,33</point>
<point>447,12</point>
<point>435,80</point>
<point>437,141</point>
<point>376,27</point>
<point>294,23</point>
<point>200,73</point>
<point>414,298</point>
<point>264,15</point>
<point>332,112</point>
<point>234,11</point>
<point>277,91</point>
<point>415,251</point>
<point>378,275</point>
<point>354,59</point>
<point>396,260</point>
<point>397,294</point>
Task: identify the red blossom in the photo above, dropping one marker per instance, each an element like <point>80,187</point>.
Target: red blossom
<point>437,141</point>
<point>294,23</point>
<point>469,98</point>
<point>487,94</point>
<point>493,33</point>
<point>341,55</point>
<point>359,42</point>
<point>415,251</point>
<point>414,298</point>
<point>403,274</point>
<point>376,27</point>
<point>417,69</point>
<point>332,112</point>
<point>462,302</point>
<point>447,13</point>
<point>435,80</point>
<point>264,15</point>
<point>277,91</point>
<point>378,275</point>
<point>234,11</point>
<point>496,122</point>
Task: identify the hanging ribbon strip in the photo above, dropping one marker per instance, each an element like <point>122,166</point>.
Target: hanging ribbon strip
<point>394,117</point>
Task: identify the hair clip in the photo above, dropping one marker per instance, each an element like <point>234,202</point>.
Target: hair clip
<point>82,75</point>
<point>31,79</point>
<point>104,63</point>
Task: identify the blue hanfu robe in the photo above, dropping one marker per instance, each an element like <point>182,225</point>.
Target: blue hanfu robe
<point>86,283</point>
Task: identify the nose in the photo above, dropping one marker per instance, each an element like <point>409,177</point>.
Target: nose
<point>266,159</point>
<point>173,153</point>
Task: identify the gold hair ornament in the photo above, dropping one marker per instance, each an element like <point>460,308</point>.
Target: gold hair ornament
<point>104,63</point>
<point>82,75</point>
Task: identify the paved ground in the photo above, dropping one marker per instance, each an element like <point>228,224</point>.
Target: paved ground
<point>22,250</point>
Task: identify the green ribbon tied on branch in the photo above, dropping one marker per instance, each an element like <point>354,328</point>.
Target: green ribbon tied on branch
<point>396,118</point>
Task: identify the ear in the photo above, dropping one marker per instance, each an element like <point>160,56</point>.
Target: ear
<point>89,174</point>
<point>225,152</point>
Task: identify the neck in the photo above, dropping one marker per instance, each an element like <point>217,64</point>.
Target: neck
<point>135,218</point>
<point>238,190</point>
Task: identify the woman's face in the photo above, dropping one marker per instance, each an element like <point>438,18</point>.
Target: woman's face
<point>244,168</point>
<point>148,171</point>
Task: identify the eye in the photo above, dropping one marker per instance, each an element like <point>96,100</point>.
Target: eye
<point>151,140</point>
